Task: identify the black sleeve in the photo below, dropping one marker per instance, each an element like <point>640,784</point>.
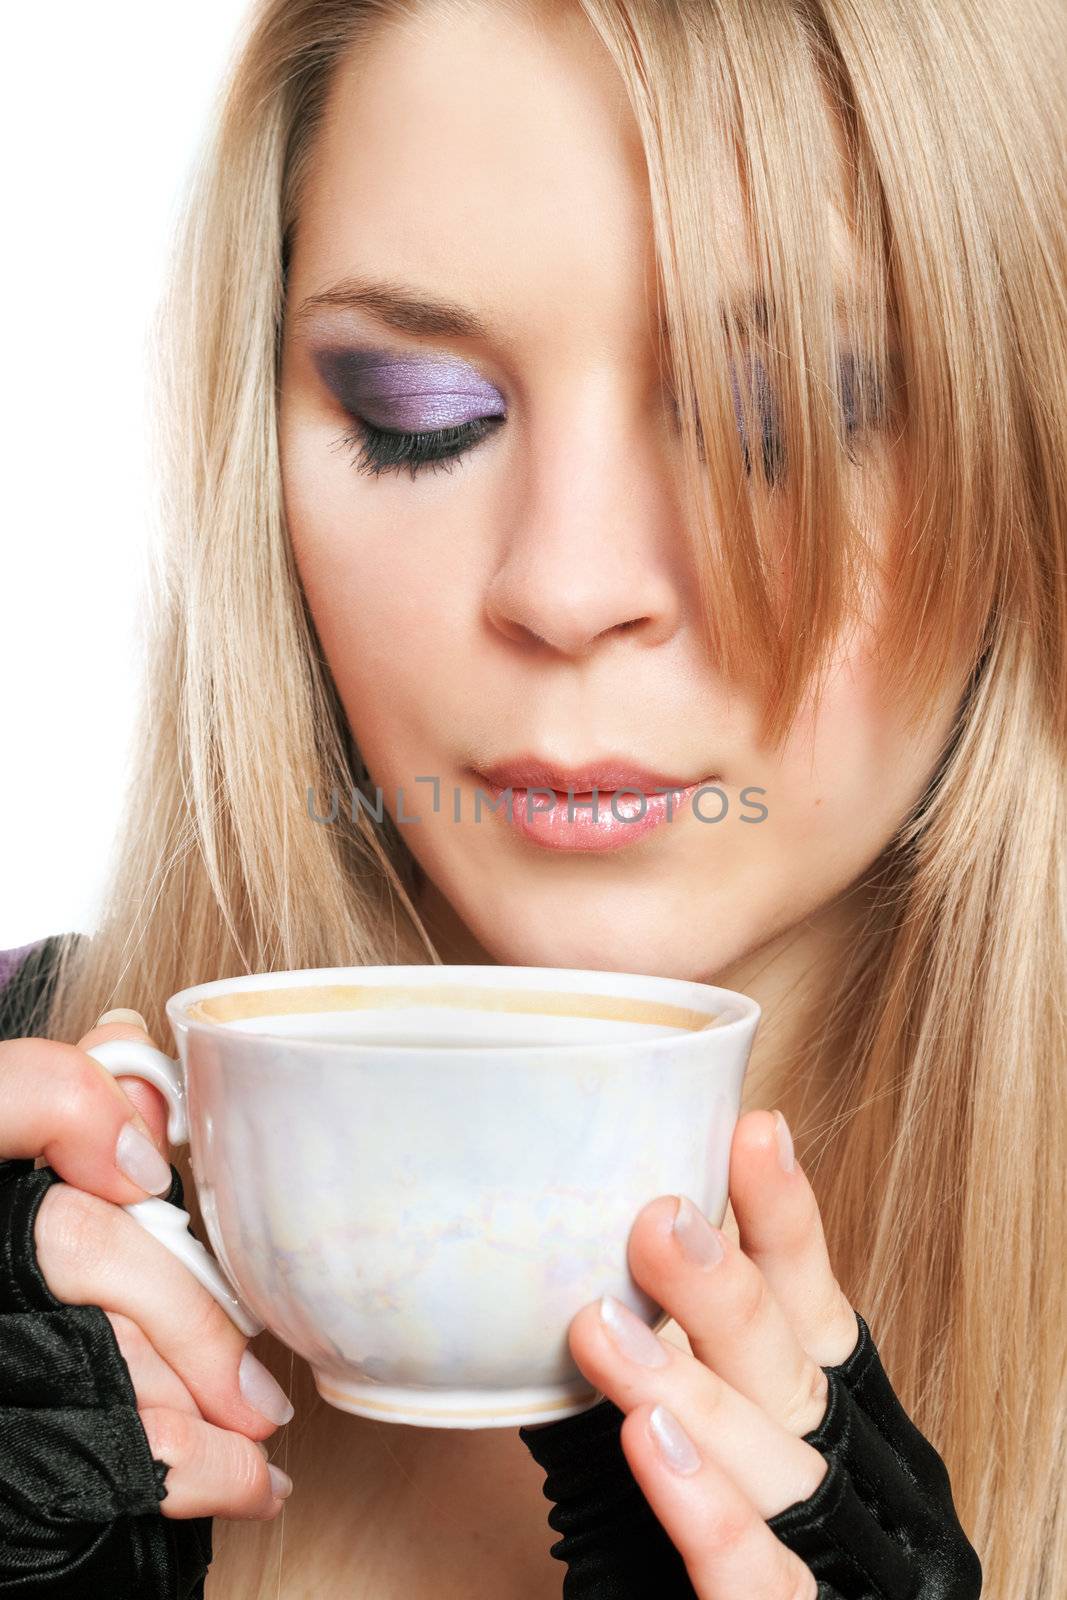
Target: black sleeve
<point>613,1544</point>
<point>79,1488</point>
<point>880,1526</point>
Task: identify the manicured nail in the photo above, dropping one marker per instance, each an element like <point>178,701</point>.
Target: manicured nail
<point>137,1157</point>
<point>786,1158</point>
<point>672,1441</point>
<point>281,1485</point>
<point>696,1235</point>
<point>123,1014</point>
<point>261,1390</point>
<point>630,1335</point>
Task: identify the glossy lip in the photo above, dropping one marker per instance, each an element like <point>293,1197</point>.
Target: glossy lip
<point>561,825</point>
<point>610,773</point>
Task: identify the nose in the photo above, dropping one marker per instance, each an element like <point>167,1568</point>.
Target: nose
<point>592,550</point>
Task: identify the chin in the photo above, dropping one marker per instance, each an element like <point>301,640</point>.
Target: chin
<point>600,945</point>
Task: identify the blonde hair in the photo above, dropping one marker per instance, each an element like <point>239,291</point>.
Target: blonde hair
<point>927,1105</point>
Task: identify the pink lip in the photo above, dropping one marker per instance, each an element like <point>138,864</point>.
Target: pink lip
<point>612,772</point>
<point>569,823</point>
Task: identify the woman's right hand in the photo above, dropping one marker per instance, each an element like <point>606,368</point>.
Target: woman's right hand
<point>204,1400</point>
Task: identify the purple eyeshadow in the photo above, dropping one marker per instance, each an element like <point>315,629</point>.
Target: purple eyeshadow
<point>407,394</point>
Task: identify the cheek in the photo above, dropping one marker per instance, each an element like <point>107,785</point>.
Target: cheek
<point>841,745</point>
<point>850,769</point>
<point>385,601</point>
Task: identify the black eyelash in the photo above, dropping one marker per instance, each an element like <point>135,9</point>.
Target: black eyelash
<point>863,406</point>
<point>864,399</point>
<point>379,450</point>
<point>772,449</point>
<point>772,445</point>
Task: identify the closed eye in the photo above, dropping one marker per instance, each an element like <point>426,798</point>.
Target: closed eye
<point>862,406</point>
<point>378,450</point>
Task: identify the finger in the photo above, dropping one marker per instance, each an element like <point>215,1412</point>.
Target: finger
<point>61,1104</point>
<point>94,1253</point>
<point>154,1382</point>
<point>728,1549</point>
<point>143,1096</point>
<point>213,1473</point>
<point>725,1305</point>
<point>781,1230</point>
<point>632,1366</point>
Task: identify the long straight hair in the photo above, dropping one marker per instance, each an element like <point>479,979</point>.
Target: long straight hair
<point>927,1104</point>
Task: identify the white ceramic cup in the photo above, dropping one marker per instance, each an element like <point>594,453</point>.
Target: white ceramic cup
<point>414,1176</point>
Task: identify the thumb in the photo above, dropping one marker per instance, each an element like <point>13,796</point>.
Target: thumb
<point>143,1096</point>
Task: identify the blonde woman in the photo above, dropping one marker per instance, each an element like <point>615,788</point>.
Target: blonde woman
<point>603,390</point>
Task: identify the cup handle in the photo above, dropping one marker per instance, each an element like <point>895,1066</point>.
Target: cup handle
<point>131,1058</point>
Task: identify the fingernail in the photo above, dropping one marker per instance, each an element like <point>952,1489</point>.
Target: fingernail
<point>786,1158</point>
<point>695,1235</point>
<point>630,1335</point>
<point>138,1158</point>
<point>261,1390</point>
<point>281,1485</point>
<point>122,1014</point>
<point>671,1440</point>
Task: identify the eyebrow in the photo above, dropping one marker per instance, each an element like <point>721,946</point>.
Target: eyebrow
<point>398,306</point>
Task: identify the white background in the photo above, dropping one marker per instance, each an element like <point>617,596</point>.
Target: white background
<point>102,113</point>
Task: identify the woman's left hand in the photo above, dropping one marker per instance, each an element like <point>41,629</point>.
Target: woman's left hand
<point>763,1320</point>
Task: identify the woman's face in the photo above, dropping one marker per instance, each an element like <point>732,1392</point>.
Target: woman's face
<point>535,596</point>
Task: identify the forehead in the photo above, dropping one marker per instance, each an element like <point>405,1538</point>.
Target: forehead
<point>491,154</point>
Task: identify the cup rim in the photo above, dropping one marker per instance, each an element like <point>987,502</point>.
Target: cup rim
<point>743,1011</point>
